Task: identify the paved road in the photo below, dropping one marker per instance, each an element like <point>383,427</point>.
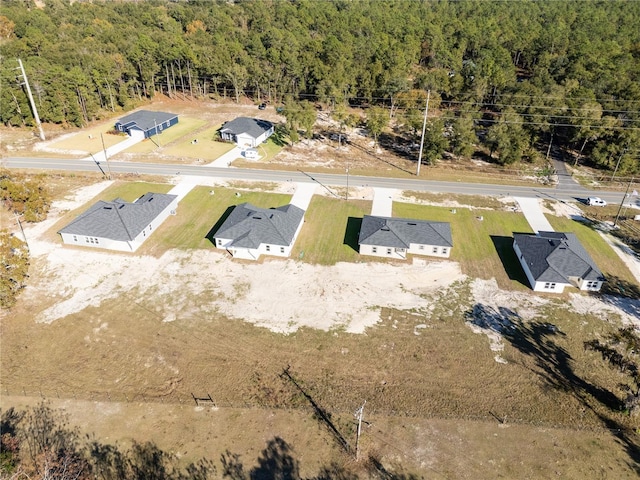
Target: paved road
<point>325,180</point>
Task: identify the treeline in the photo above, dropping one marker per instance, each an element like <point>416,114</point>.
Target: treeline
<point>561,73</point>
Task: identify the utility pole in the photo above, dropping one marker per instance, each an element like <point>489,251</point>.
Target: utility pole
<point>106,158</point>
<point>359,414</point>
<point>23,234</point>
<point>346,196</point>
<point>615,170</point>
<point>424,127</point>
<point>626,194</point>
<point>33,104</point>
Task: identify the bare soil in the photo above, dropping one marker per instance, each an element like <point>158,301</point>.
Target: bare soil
<point>124,342</point>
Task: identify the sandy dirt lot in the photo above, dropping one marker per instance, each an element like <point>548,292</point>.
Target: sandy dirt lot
<point>69,287</point>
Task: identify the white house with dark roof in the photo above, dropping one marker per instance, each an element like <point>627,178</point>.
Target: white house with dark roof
<point>554,260</point>
<point>396,237</point>
<point>119,225</point>
<point>246,132</point>
<point>146,122</point>
<point>250,231</point>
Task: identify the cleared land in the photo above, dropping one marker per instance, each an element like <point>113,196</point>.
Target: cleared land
<point>466,372</point>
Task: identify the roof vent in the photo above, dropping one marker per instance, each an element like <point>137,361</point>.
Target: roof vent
<point>108,207</point>
<point>121,206</point>
<point>411,223</point>
<point>257,218</point>
<point>385,229</point>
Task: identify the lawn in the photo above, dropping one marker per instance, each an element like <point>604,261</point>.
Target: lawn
<point>330,232</point>
<point>200,213</point>
<point>206,148</point>
<point>185,125</point>
<point>482,240</point>
<point>90,139</point>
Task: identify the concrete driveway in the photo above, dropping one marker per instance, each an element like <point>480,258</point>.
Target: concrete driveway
<point>382,201</point>
<point>304,192</point>
<point>225,160</point>
<point>533,213</point>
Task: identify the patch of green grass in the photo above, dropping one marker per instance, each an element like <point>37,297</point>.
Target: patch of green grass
<point>330,232</point>
<point>482,247</point>
<point>185,125</point>
<point>199,215</point>
<point>207,148</point>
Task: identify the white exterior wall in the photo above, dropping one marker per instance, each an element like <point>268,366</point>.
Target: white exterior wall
<point>103,243</point>
<point>442,252</point>
<point>385,252</point>
<point>584,285</point>
<point>400,254</point>
<point>549,287</point>
<point>244,140</point>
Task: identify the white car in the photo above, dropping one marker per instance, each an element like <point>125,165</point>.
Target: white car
<point>596,202</point>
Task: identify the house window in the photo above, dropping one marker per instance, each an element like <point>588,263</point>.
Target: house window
<point>281,249</point>
<point>420,247</point>
<point>75,238</point>
<point>268,248</point>
<point>388,251</point>
<point>374,249</point>
<point>435,250</point>
<point>86,239</point>
<point>444,250</point>
<point>549,285</point>
<point>592,284</point>
<point>219,242</point>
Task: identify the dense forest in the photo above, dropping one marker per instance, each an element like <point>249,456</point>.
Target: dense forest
<point>517,75</point>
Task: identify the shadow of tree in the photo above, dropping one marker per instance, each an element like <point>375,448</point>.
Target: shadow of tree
<point>622,294</point>
<point>553,364</point>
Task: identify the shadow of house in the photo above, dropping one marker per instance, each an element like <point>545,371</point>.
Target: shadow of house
<point>210,234</point>
<point>351,232</point>
<point>510,263</point>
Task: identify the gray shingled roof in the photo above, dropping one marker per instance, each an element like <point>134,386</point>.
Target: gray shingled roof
<point>401,232</point>
<point>145,119</point>
<point>252,126</point>
<point>249,226</point>
<point>119,220</point>
<point>556,256</point>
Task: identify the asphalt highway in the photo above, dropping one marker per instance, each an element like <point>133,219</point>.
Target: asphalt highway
<point>567,189</point>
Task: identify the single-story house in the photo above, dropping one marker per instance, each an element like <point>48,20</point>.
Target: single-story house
<point>147,122</point>
<point>246,132</point>
<point>395,237</point>
<point>554,260</point>
<point>120,225</point>
<point>249,231</point>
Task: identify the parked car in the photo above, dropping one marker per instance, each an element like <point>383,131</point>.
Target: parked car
<point>596,202</point>
<point>262,106</point>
